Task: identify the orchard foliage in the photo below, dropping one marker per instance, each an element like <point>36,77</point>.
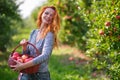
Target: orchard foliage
<point>103,36</point>
<point>8,17</point>
<point>73,28</point>
<point>92,25</point>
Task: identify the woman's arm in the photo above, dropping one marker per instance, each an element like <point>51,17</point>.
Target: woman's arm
<point>24,43</point>
<point>46,52</point>
<point>19,66</point>
<point>47,49</point>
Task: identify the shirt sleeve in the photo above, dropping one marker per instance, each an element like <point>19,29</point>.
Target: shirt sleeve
<point>27,50</point>
<point>47,49</point>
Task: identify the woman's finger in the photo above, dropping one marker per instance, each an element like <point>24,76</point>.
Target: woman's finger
<point>23,42</point>
<point>16,70</point>
<point>17,61</point>
<point>13,66</point>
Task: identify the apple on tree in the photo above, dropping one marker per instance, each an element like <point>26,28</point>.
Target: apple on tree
<point>118,17</point>
<point>107,24</point>
<point>71,58</point>
<point>101,32</point>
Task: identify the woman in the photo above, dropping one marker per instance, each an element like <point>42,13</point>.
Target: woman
<point>44,38</point>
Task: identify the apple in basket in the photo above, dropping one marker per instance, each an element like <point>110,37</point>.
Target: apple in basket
<point>28,59</point>
<point>20,60</point>
<point>24,56</point>
<point>15,55</point>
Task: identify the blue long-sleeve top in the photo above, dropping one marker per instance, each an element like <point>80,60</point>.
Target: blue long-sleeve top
<point>44,46</point>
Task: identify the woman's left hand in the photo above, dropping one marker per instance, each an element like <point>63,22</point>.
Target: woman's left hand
<point>18,67</point>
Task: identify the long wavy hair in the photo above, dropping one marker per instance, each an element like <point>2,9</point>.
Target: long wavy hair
<point>53,27</point>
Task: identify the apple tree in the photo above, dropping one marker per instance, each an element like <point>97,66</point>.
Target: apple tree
<point>103,36</point>
<point>73,27</point>
<point>9,16</point>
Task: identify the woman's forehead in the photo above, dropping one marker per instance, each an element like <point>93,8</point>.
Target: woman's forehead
<point>49,10</point>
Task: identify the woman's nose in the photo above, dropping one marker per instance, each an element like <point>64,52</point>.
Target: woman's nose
<point>48,16</point>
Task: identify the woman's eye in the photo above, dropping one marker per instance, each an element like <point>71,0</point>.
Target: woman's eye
<point>46,13</point>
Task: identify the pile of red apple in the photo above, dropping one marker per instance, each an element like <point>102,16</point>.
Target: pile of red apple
<point>23,58</point>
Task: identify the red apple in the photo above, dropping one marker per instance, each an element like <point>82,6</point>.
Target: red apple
<point>77,62</point>
<point>14,57</point>
<point>24,56</point>
<point>71,58</point>
<point>18,57</point>
<point>28,59</point>
<point>107,23</point>
<point>118,17</point>
<point>16,54</point>
<point>20,60</point>
<point>94,74</point>
<point>101,32</point>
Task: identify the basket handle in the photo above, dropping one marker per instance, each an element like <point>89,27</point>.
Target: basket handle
<point>37,52</point>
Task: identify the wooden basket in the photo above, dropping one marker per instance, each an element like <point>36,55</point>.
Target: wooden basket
<point>29,70</point>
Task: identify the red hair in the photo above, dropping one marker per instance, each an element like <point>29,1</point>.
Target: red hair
<point>53,27</point>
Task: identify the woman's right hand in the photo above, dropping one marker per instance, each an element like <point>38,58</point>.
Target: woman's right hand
<point>24,43</point>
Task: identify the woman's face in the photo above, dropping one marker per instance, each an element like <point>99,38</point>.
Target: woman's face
<point>48,15</point>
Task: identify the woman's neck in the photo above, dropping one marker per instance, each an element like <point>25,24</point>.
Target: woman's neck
<point>42,26</point>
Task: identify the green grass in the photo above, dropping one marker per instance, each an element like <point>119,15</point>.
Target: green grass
<point>61,68</point>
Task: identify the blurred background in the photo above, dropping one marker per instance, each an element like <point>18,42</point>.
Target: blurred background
<point>89,38</point>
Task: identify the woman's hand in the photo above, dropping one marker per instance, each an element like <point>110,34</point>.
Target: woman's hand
<point>24,43</point>
<point>18,67</point>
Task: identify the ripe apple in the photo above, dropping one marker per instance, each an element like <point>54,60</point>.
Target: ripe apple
<point>18,57</point>
<point>24,56</point>
<point>94,74</point>
<point>28,59</point>
<point>20,60</point>
<point>14,57</point>
<point>77,62</point>
<point>118,17</point>
<point>101,32</point>
<point>107,23</point>
<point>71,58</point>
<point>16,54</point>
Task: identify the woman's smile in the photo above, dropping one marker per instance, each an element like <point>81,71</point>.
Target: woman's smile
<point>48,15</point>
